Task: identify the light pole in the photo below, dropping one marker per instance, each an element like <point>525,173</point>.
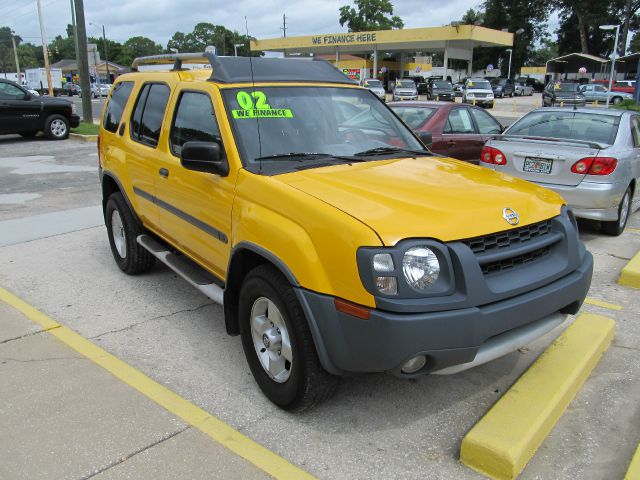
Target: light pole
<point>613,56</point>
<point>235,48</point>
<point>510,50</point>
<point>106,53</point>
<point>15,55</point>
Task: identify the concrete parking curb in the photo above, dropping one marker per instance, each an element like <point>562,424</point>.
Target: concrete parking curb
<point>633,472</point>
<point>84,138</point>
<point>504,440</point>
<point>630,275</point>
<point>216,429</point>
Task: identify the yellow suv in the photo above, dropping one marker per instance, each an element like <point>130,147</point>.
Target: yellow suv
<point>335,240</point>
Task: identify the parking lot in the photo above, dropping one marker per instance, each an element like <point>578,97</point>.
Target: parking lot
<point>54,255</point>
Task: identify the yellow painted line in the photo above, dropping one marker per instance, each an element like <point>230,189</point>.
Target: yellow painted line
<point>634,230</point>
<point>630,275</point>
<point>633,472</point>
<point>210,425</point>
<point>600,303</point>
<point>505,439</point>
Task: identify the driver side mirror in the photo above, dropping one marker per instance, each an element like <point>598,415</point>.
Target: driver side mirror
<point>204,157</point>
<point>426,138</point>
<point>27,96</point>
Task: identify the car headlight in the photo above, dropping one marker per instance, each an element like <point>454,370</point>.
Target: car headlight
<point>490,95</point>
<point>470,95</point>
<point>421,267</point>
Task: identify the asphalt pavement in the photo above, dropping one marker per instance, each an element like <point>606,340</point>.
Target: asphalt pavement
<point>376,426</point>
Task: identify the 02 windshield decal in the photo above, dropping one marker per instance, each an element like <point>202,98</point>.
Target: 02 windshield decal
<point>254,105</point>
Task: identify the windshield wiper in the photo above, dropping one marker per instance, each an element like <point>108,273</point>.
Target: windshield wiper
<point>388,150</point>
<point>300,156</point>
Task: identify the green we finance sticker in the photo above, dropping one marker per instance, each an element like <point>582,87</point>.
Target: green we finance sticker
<point>254,105</point>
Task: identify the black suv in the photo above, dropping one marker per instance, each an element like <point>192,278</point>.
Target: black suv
<point>502,87</point>
<point>440,90</point>
<point>27,114</point>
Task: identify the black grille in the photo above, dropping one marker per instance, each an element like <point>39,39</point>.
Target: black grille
<point>509,263</point>
<point>506,239</point>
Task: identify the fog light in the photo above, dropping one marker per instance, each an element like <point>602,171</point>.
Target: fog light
<point>388,285</point>
<point>414,364</point>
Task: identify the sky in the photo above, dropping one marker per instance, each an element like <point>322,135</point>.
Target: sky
<point>160,19</point>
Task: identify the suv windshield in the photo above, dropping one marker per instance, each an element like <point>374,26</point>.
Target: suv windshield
<point>317,124</point>
<point>498,81</point>
<point>565,87</point>
<point>568,125</point>
<point>479,84</point>
<point>442,85</point>
<point>372,83</point>
<point>407,84</point>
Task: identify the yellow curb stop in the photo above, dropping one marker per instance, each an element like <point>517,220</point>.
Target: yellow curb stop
<point>501,444</point>
<point>630,275</point>
<point>633,472</point>
<point>600,303</point>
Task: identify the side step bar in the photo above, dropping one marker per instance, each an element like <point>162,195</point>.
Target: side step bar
<point>190,271</point>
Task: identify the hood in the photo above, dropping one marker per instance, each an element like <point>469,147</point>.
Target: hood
<point>443,90</point>
<point>428,197</point>
<point>569,95</point>
<point>60,102</point>
<point>405,90</point>
<point>479,90</point>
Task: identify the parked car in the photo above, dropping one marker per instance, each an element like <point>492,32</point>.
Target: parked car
<point>422,84</point>
<point>335,248</point>
<point>375,86</point>
<point>100,89</point>
<point>458,87</point>
<point>595,92</point>
<point>587,155</point>
<point>457,131</point>
<point>405,89</point>
<point>502,87</point>
<point>522,89</point>
<point>70,89</point>
<point>626,86</point>
<point>440,90</point>
<point>478,91</point>
<point>27,114</point>
<point>562,94</point>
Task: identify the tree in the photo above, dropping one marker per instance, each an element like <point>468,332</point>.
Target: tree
<point>139,47</point>
<point>472,17</point>
<point>370,15</point>
<point>7,63</point>
<point>206,34</point>
<point>545,52</point>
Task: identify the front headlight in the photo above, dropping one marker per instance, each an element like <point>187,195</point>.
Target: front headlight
<point>421,267</point>
<point>490,95</point>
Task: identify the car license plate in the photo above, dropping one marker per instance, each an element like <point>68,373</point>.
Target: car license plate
<point>537,165</point>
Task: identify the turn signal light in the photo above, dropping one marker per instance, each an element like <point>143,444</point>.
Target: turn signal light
<point>352,309</point>
<point>493,156</point>
<point>595,166</point>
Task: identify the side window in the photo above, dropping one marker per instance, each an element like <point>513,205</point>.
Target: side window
<point>146,121</point>
<point>194,120</point>
<point>459,121</point>
<point>635,130</point>
<point>600,88</point>
<point>10,92</point>
<point>115,107</point>
<point>486,124</point>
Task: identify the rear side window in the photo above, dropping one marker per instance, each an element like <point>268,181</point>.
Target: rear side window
<point>635,130</point>
<point>486,124</point>
<point>115,107</point>
<point>459,121</point>
<point>147,117</point>
<point>414,116</point>
<point>194,120</point>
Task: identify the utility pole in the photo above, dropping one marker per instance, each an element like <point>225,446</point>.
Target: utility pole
<point>15,55</point>
<point>44,49</point>
<point>106,56</point>
<point>75,34</point>
<point>284,26</point>
<point>83,62</point>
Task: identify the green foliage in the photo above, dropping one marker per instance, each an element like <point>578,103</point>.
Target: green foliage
<point>472,17</point>
<point>627,105</point>
<point>370,15</point>
<point>634,46</point>
<point>138,47</point>
<point>86,128</point>
<point>206,34</point>
<point>545,52</point>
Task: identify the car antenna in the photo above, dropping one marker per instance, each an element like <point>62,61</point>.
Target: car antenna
<point>253,87</point>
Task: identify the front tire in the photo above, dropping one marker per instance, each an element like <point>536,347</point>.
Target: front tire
<point>616,227</point>
<point>278,344</point>
<point>56,127</point>
<point>617,100</point>
<point>123,230</point>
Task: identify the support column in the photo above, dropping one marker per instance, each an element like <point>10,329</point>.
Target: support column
<point>375,61</point>
<point>446,59</point>
<point>470,64</point>
<point>401,64</point>
<point>337,56</point>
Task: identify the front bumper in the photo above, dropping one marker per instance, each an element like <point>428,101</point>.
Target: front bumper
<point>74,121</point>
<point>480,101</point>
<point>595,201</point>
<point>385,341</point>
<point>405,97</point>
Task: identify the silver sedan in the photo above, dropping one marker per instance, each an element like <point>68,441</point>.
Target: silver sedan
<point>590,156</point>
<point>599,93</point>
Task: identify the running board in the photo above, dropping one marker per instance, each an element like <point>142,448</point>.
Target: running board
<point>190,271</point>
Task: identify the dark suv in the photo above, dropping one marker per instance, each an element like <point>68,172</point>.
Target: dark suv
<point>502,87</point>
<point>27,114</point>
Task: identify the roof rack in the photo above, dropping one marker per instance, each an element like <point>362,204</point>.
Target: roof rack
<point>253,69</point>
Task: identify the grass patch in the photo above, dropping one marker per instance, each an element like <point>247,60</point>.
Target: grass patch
<point>86,128</point>
<point>627,105</point>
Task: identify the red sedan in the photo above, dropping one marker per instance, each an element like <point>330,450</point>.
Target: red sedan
<point>458,130</point>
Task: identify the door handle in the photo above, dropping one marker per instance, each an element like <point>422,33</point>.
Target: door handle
<point>163,172</point>
<point>451,143</point>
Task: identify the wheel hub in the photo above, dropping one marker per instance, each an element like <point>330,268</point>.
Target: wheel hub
<point>271,339</point>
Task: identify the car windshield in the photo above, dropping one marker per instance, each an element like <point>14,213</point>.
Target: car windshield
<point>413,116</point>
<point>406,84</point>
<point>443,85</point>
<point>498,81</point>
<point>568,125</point>
<point>565,87</point>
<point>372,83</point>
<point>280,129</point>
<point>480,84</point>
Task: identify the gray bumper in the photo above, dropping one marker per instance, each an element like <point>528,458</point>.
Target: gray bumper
<point>383,343</point>
<point>595,201</point>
